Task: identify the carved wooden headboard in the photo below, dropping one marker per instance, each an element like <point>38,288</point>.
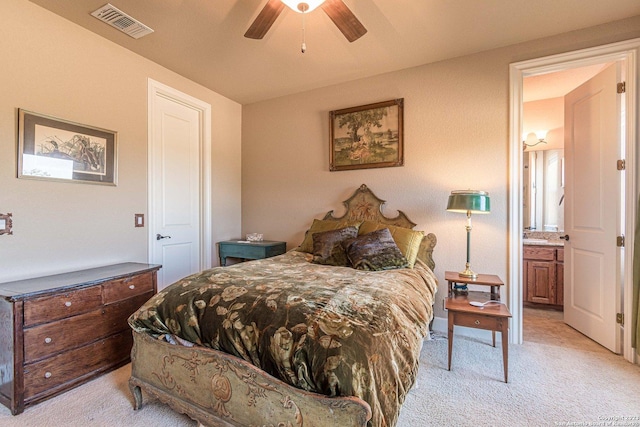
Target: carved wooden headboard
<point>364,205</point>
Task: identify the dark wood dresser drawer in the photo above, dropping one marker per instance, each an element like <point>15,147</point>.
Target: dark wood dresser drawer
<point>71,366</point>
<point>116,315</point>
<point>47,309</point>
<point>51,338</point>
<point>118,290</point>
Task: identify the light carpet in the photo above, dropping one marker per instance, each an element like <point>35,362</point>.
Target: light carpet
<point>558,377</point>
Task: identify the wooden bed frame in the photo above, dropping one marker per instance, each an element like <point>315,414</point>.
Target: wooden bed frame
<point>218,389</point>
<point>363,205</point>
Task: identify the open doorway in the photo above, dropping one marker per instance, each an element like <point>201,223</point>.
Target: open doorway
<point>623,51</point>
<point>543,177</point>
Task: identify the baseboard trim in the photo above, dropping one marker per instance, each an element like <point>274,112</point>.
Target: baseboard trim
<point>440,325</point>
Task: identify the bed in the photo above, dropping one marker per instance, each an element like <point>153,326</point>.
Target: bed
<point>294,340</point>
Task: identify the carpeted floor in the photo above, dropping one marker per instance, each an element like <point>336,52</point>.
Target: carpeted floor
<point>557,377</point>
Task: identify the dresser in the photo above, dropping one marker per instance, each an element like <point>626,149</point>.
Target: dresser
<point>66,329</point>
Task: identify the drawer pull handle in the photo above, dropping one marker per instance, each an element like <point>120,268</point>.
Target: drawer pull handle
<point>477,322</point>
<point>47,340</point>
<point>67,304</point>
<point>47,374</point>
<point>132,286</point>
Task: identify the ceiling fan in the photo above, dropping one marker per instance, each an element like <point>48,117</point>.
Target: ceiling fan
<point>337,11</point>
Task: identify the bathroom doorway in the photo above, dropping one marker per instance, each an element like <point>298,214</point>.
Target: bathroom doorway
<point>543,177</point>
<point>624,51</point>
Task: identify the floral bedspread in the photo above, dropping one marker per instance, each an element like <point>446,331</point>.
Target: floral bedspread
<point>330,330</point>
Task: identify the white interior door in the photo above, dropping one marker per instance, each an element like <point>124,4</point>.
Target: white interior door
<point>593,200</point>
<point>175,184</point>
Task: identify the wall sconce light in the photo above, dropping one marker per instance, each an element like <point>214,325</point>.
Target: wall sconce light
<point>540,136</point>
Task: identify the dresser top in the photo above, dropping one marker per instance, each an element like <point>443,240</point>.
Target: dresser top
<point>21,289</point>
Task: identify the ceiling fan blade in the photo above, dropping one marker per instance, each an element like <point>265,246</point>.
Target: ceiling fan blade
<point>344,19</point>
<point>265,19</point>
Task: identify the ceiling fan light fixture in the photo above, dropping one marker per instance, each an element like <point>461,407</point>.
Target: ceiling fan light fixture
<point>303,6</point>
<point>336,10</point>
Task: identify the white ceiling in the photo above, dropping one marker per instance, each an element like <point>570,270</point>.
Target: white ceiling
<point>560,83</point>
<point>203,39</point>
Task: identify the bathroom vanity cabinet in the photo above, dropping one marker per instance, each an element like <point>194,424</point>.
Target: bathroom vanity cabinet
<point>543,270</point>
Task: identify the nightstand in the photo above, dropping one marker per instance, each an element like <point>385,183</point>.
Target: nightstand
<point>491,280</point>
<point>493,316</point>
<point>250,250</point>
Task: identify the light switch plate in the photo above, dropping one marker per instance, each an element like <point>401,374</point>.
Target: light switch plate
<point>139,220</point>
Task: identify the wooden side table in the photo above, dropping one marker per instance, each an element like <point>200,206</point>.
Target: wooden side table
<point>249,250</point>
<point>493,317</point>
<point>490,280</point>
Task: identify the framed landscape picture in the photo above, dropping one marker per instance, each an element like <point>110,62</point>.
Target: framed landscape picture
<point>60,150</point>
<point>368,136</point>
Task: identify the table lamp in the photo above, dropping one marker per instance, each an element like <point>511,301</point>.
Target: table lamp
<point>468,201</point>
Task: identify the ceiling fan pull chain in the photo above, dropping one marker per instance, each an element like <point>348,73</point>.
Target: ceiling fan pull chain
<point>303,47</point>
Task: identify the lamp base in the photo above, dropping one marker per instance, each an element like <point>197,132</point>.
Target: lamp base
<point>468,273</point>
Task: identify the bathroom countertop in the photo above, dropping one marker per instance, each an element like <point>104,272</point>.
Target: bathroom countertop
<point>545,243</point>
<point>542,238</point>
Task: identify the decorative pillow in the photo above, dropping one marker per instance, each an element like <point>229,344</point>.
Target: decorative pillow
<point>327,246</point>
<point>375,251</point>
<point>322,225</point>
<point>408,240</point>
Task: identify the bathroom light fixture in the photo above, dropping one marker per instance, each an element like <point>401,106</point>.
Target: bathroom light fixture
<point>468,201</point>
<point>540,135</point>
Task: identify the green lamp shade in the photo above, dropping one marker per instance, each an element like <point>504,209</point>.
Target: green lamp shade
<point>469,201</point>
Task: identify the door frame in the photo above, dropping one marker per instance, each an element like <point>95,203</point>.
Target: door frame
<point>155,90</point>
<point>627,50</point>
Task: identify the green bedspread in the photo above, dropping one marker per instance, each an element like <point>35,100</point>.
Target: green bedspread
<point>330,330</point>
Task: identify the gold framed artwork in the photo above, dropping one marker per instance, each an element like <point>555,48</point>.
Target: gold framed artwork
<point>60,150</point>
<point>367,136</point>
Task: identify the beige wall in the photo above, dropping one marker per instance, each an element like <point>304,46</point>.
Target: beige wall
<point>456,137</point>
<point>54,67</point>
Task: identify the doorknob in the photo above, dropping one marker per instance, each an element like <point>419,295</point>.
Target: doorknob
<point>160,237</point>
<point>565,237</point>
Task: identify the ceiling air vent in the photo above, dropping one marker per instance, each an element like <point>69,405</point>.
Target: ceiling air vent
<point>120,20</point>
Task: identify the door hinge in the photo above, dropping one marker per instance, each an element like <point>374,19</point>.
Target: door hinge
<point>621,165</point>
<point>620,318</point>
<point>620,241</point>
<point>622,87</point>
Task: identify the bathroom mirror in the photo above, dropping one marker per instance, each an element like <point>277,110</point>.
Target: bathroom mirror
<point>543,195</point>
